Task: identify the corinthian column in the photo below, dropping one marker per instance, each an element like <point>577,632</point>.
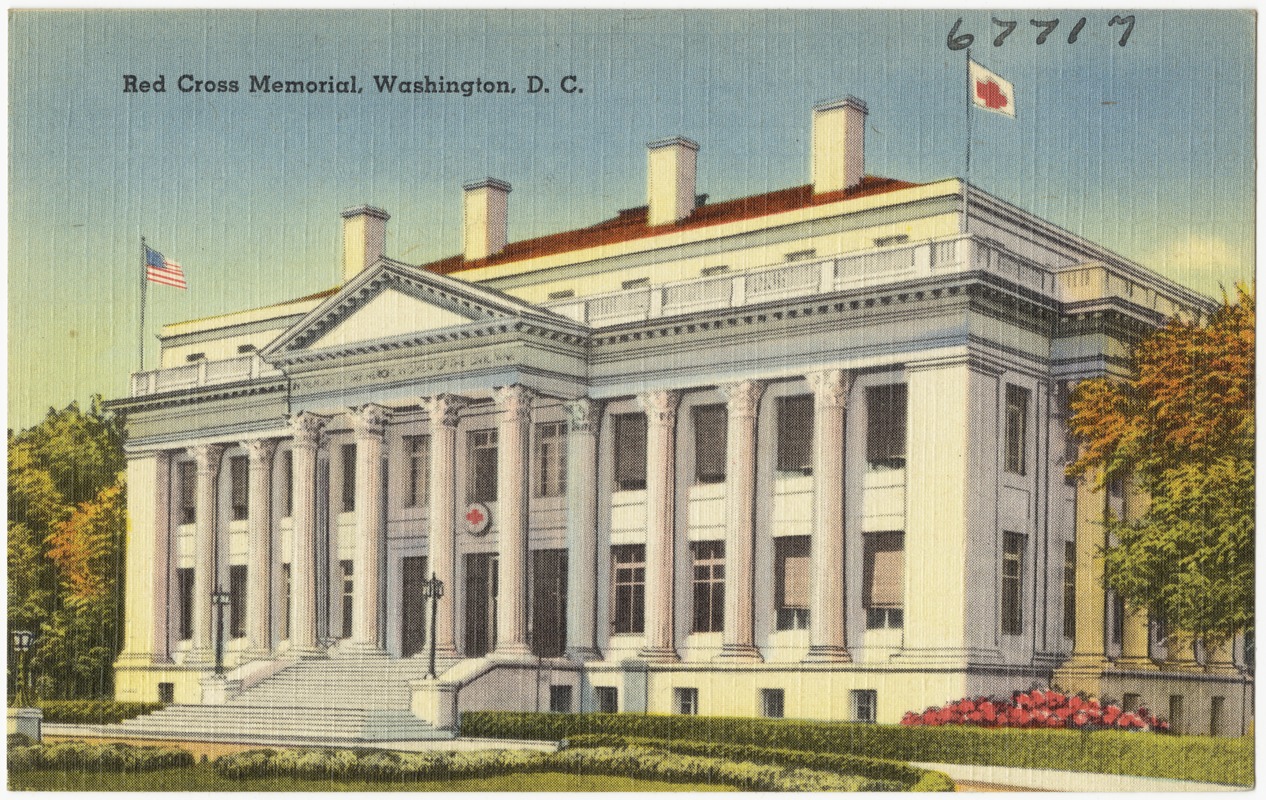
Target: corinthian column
<point>207,457</point>
<point>740,519</point>
<point>661,490</point>
<point>369,423</point>
<point>441,519</point>
<point>515,419</point>
<point>827,632</point>
<point>259,547</point>
<point>306,429</point>
<point>584,417</point>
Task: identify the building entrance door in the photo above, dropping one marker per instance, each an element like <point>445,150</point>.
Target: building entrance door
<point>481,604</point>
<point>549,602</point>
<point>412,605</point>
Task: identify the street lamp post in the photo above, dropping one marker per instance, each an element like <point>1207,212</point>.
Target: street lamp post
<point>22,644</point>
<point>220,599</point>
<point>434,589</point>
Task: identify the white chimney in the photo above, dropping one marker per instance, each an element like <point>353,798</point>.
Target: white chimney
<point>839,145</point>
<point>485,208</point>
<point>670,180</point>
<point>364,238</point>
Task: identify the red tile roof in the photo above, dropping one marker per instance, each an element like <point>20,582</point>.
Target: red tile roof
<point>631,224</point>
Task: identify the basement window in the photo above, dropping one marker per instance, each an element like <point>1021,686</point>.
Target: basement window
<point>562,294</point>
<point>802,255</point>
<point>636,283</point>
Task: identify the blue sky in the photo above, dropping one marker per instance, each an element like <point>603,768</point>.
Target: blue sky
<point>1146,149</point>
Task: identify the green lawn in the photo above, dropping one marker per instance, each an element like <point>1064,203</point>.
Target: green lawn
<point>204,779</point>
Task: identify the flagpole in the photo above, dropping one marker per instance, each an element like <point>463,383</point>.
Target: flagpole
<point>141,334</point>
<point>967,172</point>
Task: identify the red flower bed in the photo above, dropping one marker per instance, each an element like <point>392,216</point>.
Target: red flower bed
<point>1039,708</point>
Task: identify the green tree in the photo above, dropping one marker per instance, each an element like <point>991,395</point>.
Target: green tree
<point>67,522</point>
<point>1183,430</point>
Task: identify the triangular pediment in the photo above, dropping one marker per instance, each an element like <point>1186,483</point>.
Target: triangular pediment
<point>390,303</point>
<point>390,314</point>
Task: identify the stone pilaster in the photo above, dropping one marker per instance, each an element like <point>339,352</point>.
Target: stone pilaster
<point>828,639</point>
<point>514,404</point>
<point>661,491</point>
<point>444,411</point>
<point>207,457</point>
<point>260,547</point>
<point>739,642</point>
<point>306,429</point>
<point>584,417</point>
<point>370,424</point>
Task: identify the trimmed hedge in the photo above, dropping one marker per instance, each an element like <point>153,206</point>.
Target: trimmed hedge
<point>92,712</point>
<point>634,762</point>
<point>901,774</point>
<point>85,757</point>
<point>1196,758</point>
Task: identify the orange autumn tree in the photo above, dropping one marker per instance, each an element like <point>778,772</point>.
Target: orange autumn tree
<point>1184,430</point>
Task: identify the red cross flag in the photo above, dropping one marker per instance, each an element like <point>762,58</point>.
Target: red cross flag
<point>989,91</point>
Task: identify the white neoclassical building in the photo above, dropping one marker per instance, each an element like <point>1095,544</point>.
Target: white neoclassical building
<point>798,454</point>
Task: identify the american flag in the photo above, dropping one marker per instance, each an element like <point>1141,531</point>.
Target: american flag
<point>159,270</point>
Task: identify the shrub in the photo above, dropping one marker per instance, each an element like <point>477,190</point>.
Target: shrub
<point>1039,708</point>
<point>86,757</point>
<point>872,768</point>
<point>636,762</point>
<point>92,712</point>
<point>1197,758</point>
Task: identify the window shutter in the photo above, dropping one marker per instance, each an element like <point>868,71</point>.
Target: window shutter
<point>796,581</point>
<point>883,582</point>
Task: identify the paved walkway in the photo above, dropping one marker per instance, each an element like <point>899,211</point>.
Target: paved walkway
<point>1022,779</point>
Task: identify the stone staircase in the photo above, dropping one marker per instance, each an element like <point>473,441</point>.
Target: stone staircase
<point>344,699</point>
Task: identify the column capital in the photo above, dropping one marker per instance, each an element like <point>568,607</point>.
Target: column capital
<point>444,409</point>
<point>370,421</point>
<point>660,406</point>
<point>514,402</point>
<point>260,451</point>
<point>584,415</point>
<point>207,456</point>
<point>306,428</point>
<point>742,397</point>
<point>830,387</point>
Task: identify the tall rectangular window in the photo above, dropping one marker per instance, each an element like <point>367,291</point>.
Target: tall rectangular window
<point>349,476</point>
<point>710,443</point>
<point>418,450</point>
<point>883,581</point>
<point>628,588</point>
<point>886,426</point>
<point>239,481</point>
<point>481,484</point>
<point>288,484</point>
<point>345,567</point>
<point>772,702</point>
<point>1118,618</point>
<point>184,590</point>
<point>1012,579</point>
<point>287,592</point>
<point>1217,716</point>
<point>629,433</point>
<point>709,586</point>
<point>795,434</point>
<point>1070,589</point>
<point>1016,431</point>
<point>237,601</point>
<point>188,474</point>
<point>551,459</point>
<point>791,582</point>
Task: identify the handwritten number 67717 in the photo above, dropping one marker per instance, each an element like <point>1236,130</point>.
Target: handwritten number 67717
<point>961,41</point>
